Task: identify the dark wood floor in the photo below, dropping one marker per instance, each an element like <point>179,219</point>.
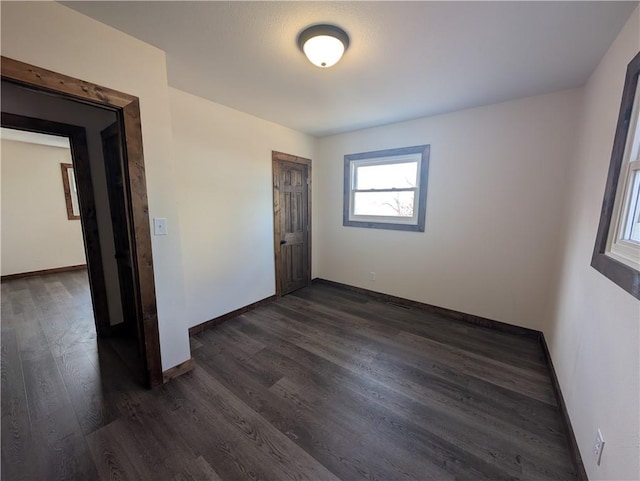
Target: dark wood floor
<point>321,385</point>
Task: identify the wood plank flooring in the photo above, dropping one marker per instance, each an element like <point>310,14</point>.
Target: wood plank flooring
<point>320,385</point>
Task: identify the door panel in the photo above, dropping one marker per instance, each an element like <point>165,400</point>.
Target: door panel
<point>113,159</point>
<point>292,225</point>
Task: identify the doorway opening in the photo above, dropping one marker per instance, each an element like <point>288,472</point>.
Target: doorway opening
<point>109,169</point>
<point>291,221</point>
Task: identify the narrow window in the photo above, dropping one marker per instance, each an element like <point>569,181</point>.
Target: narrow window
<point>624,235</point>
<point>617,249</point>
<point>386,189</point>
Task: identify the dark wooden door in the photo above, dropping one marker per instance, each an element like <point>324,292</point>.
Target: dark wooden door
<point>292,218</point>
<point>118,205</point>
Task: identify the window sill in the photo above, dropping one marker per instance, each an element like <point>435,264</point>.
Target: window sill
<point>384,225</point>
<point>624,276</point>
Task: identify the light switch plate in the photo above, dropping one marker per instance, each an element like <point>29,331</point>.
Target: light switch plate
<point>159,226</point>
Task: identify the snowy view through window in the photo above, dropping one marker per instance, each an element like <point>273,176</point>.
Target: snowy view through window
<point>385,189</point>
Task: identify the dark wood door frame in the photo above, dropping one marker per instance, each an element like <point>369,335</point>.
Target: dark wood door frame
<point>276,158</point>
<point>118,205</point>
<point>127,108</point>
<point>80,154</point>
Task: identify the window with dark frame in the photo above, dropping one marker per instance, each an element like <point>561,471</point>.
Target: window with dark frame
<point>70,191</point>
<point>616,252</point>
<point>386,189</point>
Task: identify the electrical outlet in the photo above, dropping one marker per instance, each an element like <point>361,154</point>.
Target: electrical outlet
<point>372,276</point>
<point>598,446</point>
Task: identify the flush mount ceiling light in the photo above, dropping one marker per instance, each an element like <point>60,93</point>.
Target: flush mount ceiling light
<point>323,44</point>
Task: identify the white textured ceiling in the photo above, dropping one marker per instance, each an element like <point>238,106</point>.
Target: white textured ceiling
<point>406,59</point>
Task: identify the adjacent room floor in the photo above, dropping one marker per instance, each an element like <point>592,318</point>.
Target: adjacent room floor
<point>320,385</point>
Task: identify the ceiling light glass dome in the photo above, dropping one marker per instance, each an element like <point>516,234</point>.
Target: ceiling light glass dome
<point>323,45</point>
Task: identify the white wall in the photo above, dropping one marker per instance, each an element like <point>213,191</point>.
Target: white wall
<point>496,178</point>
<point>36,233</point>
<point>496,225</point>
<point>593,333</point>
<point>226,202</point>
<point>55,37</point>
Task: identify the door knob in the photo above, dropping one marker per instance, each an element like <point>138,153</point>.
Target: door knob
<point>282,242</point>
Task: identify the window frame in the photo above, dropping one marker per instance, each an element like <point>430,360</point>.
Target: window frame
<point>381,157</point>
<point>603,260</point>
<point>70,189</point>
<point>618,246</point>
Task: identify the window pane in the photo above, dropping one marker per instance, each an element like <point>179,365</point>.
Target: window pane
<point>387,176</point>
<point>632,222</point>
<point>392,204</point>
<point>74,191</point>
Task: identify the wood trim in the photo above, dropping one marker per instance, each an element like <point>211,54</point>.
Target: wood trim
<point>276,158</point>
<point>290,158</point>
<point>135,181</point>
<point>179,370</point>
<point>128,110</point>
<point>64,168</point>
<point>275,167</point>
<point>424,150</point>
<point>197,329</point>
<point>26,74</point>
<point>44,272</point>
<point>624,276</point>
<point>574,451</point>
<point>86,200</point>
<point>440,311</point>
